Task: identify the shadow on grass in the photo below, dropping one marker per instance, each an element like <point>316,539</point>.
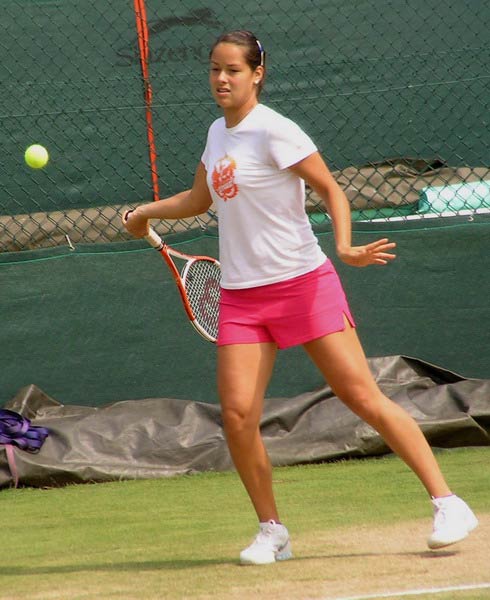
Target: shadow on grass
<point>157,565</point>
<point>149,565</point>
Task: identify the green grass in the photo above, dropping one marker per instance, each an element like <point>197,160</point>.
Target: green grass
<point>180,537</point>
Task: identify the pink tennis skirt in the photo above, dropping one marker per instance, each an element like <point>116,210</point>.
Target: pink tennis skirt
<point>289,313</point>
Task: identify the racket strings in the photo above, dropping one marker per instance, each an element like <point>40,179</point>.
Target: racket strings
<point>202,284</point>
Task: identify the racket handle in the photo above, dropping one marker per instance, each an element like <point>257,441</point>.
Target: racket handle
<point>154,239</point>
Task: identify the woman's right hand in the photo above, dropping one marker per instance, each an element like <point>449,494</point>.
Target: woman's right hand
<point>136,223</point>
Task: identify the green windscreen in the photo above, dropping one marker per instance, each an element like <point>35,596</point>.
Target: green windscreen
<point>105,323</point>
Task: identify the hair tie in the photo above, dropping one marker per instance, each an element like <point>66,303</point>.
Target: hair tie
<point>261,52</point>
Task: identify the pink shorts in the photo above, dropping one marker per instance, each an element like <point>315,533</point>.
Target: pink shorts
<point>288,313</point>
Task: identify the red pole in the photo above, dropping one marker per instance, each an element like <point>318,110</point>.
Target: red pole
<point>144,56</point>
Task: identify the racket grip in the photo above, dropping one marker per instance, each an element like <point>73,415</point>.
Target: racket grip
<point>154,239</point>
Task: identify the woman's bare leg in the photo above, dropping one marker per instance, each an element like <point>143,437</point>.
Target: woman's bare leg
<point>244,371</point>
<point>341,359</point>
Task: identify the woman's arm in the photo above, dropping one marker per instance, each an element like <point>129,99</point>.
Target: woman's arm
<point>189,203</point>
<point>318,176</point>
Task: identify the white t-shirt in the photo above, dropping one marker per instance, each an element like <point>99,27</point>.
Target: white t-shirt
<point>264,233</point>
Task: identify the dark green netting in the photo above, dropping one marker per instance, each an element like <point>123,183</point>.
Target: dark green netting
<point>369,81</point>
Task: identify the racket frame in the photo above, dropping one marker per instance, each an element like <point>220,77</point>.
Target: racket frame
<point>167,252</point>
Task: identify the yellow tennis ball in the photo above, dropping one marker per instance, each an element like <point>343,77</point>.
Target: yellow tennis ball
<point>36,156</point>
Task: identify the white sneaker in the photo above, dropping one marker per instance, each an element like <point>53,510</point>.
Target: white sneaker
<point>271,544</point>
<point>453,521</point>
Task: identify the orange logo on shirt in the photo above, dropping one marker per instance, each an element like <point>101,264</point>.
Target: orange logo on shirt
<point>223,178</point>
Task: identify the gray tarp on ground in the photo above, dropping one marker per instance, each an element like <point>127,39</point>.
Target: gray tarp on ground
<point>160,437</point>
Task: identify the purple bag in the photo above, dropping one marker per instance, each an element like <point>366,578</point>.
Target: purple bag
<point>16,430</point>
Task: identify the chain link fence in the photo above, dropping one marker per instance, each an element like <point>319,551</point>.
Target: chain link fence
<point>396,94</point>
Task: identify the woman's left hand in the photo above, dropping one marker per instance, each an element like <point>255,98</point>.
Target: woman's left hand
<point>375,253</point>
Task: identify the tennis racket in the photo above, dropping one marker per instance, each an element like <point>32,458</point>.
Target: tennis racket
<point>198,284</point>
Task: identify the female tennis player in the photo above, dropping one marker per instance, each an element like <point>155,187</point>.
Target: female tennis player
<point>280,290</point>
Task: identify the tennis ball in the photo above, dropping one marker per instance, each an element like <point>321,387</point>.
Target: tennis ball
<point>36,156</point>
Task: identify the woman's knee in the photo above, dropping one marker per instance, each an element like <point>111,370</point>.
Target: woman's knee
<point>371,406</point>
<point>237,420</point>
